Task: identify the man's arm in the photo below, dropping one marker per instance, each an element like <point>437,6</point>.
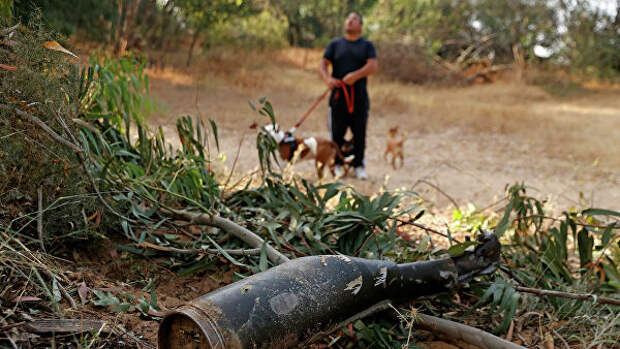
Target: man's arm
<point>324,70</point>
<point>371,66</point>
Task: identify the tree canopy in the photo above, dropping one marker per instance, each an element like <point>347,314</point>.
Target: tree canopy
<point>578,34</point>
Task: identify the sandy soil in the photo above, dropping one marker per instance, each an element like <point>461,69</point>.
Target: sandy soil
<point>470,142</point>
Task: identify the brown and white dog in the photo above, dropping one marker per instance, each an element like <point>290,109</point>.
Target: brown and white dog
<point>395,146</point>
<point>323,151</point>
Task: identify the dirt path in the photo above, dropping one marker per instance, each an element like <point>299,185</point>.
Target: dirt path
<point>470,142</point>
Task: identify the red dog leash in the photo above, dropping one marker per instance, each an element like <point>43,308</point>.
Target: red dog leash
<point>349,99</point>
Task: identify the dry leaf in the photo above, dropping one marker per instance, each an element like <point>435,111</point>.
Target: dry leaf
<point>8,67</point>
<point>24,299</point>
<point>53,45</point>
<point>83,292</point>
<point>96,216</point>
<point>548,341</point>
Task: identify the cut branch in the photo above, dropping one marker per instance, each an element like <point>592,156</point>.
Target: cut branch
<point>428,229</point>
<point>236,252</point>
<point>234,229</point>
<point>7,31</point>
<point>465,333</point>
<point>40,218</point>
<point>90,175</point>
<point>47,129</point>
<point>582,296</point>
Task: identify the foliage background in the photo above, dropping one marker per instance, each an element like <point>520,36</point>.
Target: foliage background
<point>580,35</point>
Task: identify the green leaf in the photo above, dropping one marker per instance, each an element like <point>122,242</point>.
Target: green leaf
<point>607,234</point>
<point>122,307</point>
<point>225,254</point>
<point>585,243</point>
<point>170,237</point>
<point>105,299</point>
<point>215,136</point>
<point>263,263</point>
<point>458,249</point>
<point>600,212</point>
<point>505,222</point>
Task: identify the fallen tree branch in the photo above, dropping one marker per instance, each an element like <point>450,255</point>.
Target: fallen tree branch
<point>73,146</point>
<point>558,220</point>
<point>582,296</point>
<point>40,217</point>
<point>47,129</point>
<point>236,252</point>
<point>88,174</point>
<point>7,31</point>
<point>234,229</point>
<point>428,229</point>
<point>465,333</point>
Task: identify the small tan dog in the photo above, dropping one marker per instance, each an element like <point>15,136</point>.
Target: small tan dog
<point>323,151</point>
<point>395,146</point>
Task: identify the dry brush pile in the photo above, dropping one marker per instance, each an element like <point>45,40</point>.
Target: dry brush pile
<point>78,163</point>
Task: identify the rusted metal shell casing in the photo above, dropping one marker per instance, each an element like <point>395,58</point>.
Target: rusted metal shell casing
<point>289,303</point>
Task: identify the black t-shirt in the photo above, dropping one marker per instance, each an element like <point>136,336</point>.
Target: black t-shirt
<point>347,56</point>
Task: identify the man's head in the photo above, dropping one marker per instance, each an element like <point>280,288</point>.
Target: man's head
<point>353,24</point>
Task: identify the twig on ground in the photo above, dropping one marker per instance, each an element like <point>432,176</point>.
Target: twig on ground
<point>428,229</point>
<point>47,129</point>
<point>559,220</point>
<point>511,330</point>
<point>454,203</point>
<point>582,296</point>
<point>7,31</point>
<point>236,252</point>
<point>251,174</point>
<point>13,344</point>
<point>465,333</point>
<point>63,291</point>
<point>88,174</point>
<point>493,204</point>
<point>234,229</point>
<point>232,169</point>
<point>508,272</point>
<point>8,327</point>
<point>383,305</point>
<point>40,217</point>
<point>561,339</point>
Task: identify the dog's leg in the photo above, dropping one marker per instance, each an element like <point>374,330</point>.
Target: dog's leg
<point>394,160</point>
<point>402,159</point>
<point>319,169</point>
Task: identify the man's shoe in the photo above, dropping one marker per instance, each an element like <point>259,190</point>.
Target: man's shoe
<point>360,173</point>
<point>338,171</point>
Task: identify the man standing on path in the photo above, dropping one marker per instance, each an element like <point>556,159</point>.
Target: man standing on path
<point>352,58</point>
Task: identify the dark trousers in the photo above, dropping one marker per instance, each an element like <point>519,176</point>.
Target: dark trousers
<point>340,120</point>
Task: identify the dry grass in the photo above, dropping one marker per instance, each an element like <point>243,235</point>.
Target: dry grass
<point>471,141</point>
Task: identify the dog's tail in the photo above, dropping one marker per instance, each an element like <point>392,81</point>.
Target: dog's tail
<point>345,160</point>
<point>403,137</point>
<point>337,150</point>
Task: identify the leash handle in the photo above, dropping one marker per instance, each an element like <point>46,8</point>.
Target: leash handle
<point>305,116</point>
<point>349,99</point>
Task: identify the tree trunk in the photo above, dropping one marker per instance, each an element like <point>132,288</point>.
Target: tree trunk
<point>191,47</point>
